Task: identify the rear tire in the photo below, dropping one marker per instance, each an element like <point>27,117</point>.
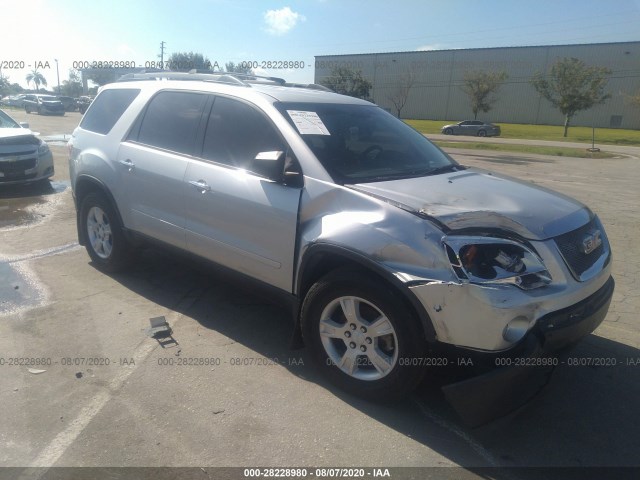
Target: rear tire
<point>362,337</point>
<point>104,239</point>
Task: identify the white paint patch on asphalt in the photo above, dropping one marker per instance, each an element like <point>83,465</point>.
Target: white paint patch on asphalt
<point>63,440</point>
<point>42,212</point>
<point>21,289</point>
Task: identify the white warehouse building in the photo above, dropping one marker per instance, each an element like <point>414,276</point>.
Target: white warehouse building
<point>437,77</point>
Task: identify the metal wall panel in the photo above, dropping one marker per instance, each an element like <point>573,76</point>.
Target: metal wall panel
<point>436,93</point>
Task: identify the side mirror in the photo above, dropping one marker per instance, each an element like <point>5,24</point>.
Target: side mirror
<point>270,165</point>
<point>24,124</point>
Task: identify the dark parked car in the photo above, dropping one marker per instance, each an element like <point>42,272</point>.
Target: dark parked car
<point>69,103</point>
<point>24,158</point>
<point>472,127</point>
<point>43,104</point>
<point>83,103</point>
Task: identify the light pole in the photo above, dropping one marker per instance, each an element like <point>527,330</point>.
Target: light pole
<point>593,134</point>
<point>58,74</point>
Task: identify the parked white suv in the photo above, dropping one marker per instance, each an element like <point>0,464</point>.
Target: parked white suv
<point>390,253</point>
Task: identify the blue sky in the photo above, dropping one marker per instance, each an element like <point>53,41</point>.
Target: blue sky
<point>244,30</point>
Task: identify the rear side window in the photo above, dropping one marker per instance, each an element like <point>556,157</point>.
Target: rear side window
<point>107,109</point>
<point>171,121</point>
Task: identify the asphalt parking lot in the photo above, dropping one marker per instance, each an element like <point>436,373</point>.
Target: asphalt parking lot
<point>230,392</point>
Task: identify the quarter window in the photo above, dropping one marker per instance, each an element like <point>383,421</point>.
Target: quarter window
<point>107,109</point>
<point>171,121</point>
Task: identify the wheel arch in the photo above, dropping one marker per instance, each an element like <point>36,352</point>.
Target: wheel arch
<point>321,259</point>
<point>84,185</point>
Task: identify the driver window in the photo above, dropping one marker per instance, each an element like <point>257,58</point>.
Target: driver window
<point>236,133</point>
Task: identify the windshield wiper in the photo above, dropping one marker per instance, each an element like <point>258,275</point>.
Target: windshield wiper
<point>445,168</point>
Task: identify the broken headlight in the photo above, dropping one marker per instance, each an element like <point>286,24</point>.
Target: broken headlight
<point>494,260</point>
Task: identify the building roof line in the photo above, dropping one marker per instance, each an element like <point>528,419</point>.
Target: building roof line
<point>481,48</point>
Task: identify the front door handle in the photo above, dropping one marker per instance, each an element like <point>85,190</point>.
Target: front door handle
<point>200,185</point>
<point>128,163</point>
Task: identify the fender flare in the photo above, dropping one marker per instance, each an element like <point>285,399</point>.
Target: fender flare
<point>80,184</point>
<point>314,254</point>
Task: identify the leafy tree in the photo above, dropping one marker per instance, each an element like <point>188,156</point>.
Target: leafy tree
<point>481,86</point>
<point>73,86</point>
<point>36,78</point>
<point>185,61</point>
<point>101,76</point>
<point>233,68</point>
<point>4,85</point>
<point>7,88</point>
<point>635,99</point>
<point>400,94</point>
<point>572,86</point>
<point>348,82</point>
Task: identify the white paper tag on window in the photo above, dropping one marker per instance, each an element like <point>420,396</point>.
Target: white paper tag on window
<point>308,123</point>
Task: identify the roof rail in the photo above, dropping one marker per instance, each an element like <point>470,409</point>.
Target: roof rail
<point>243,79</point>
<point>218,77</point>
<point>311,86</point>
<point>230,78</point>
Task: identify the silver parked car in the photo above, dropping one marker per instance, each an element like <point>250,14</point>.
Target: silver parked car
<point>13,101</point>
<point>24,158</point>
<point>392,256</point>
<point>472,127</point>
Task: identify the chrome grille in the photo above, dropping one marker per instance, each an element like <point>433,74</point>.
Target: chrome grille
<point>570,246</point>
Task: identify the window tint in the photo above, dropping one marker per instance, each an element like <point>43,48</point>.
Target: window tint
<point>236,133</point>
<point>107,109</point>
<point>171,121</point>
<point>361,143</point>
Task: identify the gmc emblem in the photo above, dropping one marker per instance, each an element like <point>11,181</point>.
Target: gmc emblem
<point>591,241</point>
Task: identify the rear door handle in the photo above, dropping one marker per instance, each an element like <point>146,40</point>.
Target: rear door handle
<point>200,185</point>
<point>128,163</point>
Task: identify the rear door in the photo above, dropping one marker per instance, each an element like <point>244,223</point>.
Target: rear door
<point>153,161</point>
<point>234,217</point>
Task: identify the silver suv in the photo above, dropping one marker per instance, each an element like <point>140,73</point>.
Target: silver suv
<point>392,256</point>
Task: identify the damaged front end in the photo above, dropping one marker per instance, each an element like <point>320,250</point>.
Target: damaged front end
<point>516,307</point>
<point>506,289</point>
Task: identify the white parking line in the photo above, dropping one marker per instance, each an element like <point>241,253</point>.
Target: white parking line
<point>63,440</point>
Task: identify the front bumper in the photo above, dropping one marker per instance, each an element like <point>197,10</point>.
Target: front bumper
<point>43,169</point>
<point>509,379</point>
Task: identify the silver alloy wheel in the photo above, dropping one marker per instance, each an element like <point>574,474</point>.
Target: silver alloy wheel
<point>99,232</point>
<point>358,338</point>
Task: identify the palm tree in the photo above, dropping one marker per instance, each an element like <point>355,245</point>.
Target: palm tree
<point>37,78</point>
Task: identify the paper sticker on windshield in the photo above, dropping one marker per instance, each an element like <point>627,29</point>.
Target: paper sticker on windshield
<point>308,123</point>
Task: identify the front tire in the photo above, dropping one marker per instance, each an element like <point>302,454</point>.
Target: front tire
<point>104,239</point>
<point>448,131</point>
<point>362,337</point>
<point>482,133</point>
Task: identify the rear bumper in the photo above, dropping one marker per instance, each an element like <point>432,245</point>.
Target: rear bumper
<point>509,379</point>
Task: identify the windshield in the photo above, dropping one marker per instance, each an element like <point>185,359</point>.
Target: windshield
<point>7,122</point>
<point>47,98</point>
<point>363,143</point>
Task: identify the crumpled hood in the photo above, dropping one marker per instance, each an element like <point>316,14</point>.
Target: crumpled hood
<point>475,198</point>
